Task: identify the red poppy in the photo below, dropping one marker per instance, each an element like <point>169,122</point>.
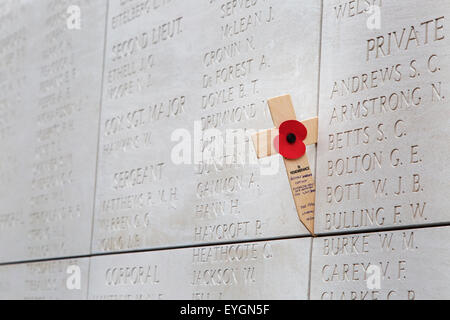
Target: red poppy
<point>289,143</point>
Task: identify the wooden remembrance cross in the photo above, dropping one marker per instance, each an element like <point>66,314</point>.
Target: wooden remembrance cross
<point>298,171</point>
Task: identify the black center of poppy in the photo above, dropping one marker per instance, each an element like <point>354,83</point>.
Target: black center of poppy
<point>291,138</point>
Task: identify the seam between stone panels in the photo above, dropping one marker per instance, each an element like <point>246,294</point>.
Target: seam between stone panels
<point>316,155</point>
<point>105,38</point>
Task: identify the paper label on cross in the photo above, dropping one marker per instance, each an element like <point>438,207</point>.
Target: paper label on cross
<point>299,172</point>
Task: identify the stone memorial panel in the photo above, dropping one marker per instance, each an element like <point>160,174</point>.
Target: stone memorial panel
<point>127,169</point>
<point>259,270</point>
<point>50,91</point>
<point>48,280</point>
<point>178,75</point>
<point>408,265</point>
<point>383,149</point>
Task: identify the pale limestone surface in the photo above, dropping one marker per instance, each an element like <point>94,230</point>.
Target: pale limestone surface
<point>240,271</point>
<point>412,264</point>
<point>87,169</point>
<point>50,90</point>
